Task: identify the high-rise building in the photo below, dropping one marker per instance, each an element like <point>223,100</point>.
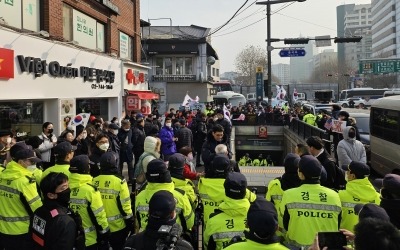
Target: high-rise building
<point>299,67</point>
<point>282,72</point>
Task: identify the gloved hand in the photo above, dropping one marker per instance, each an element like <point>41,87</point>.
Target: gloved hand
<point>102,240</point>
<point>130,225</point>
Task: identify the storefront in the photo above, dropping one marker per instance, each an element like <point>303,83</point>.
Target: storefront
<point>137,96</point>
<point>43,80</point>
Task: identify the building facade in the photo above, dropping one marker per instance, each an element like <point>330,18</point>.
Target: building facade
<point>300,70</point>
<point>60,58</point>
<point>182,61</point>
<point>282,72</point>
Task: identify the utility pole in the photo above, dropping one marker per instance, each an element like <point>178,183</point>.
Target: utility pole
<point>268,88</point>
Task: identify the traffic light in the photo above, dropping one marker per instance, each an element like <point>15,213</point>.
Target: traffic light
<point>296,40</point>
<point>354,39</point>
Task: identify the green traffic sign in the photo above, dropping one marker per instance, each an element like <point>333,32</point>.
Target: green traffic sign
<point>379,66</point>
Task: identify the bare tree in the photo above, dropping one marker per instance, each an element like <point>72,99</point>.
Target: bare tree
<point>248,60</point>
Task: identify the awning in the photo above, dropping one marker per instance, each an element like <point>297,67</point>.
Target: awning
<point>146,95</point>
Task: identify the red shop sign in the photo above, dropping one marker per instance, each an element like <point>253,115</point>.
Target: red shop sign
<point>133,103</point>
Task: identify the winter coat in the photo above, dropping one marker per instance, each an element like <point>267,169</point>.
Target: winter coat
<point>349,149</point>
<point>185,138</point>
<point>208,149</point>
<point>168,146</point>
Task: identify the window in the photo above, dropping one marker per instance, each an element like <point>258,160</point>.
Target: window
<point>179,66</point>
<point>174,66</point>
<point>125,46</point>
<point>188,66</point>
<point>213,71</point>
<point>217,73</point>
<point>21,14</point>
<point>385,124</point>
<point>96,107</point>
<point>167,66</point>
<point>83,29</point>
<point>159,66</point>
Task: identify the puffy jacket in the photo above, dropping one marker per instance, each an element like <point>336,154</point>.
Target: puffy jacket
<point>18,200</point>
<point>187,188</point>
<point>60,167</point>
<point>168,146</point>
<point>349,149</point>
<point>150,146</point>
<point>358,191</point>
<point>116,199</point>
<point>46,146</point>
<point>185,138</point>
<point>183,208</point>
<point>86,200</point>
<point>226,223</point>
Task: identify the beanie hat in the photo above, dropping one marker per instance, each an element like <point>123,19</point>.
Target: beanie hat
<point>371,210</point>
<point>80,164</point>
<point>176,162</point>
<point>391,183</point>
<point>310,167</point>
<point>290,163</point>
<point>262,218</point>
<point>235,185</point>
<point>157,172</point>
<point>220,165</point>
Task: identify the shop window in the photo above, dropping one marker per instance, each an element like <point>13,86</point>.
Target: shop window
<point>22,117</point>
<point>21,14</point>
<point>96,107</point>
<point>83,29</point>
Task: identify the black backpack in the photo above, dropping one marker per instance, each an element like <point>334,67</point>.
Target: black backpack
<point>340,181</point>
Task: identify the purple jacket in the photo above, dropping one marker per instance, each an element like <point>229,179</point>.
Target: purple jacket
<point>168,146</point>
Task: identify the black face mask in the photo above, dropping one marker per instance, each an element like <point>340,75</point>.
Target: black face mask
<point>352,134</point>
<point>50,131</point>
<point>63,197</point>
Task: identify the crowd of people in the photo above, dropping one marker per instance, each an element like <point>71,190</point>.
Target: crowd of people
<point>69,192</point>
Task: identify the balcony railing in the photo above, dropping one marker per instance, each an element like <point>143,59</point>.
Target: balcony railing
<point>174,78</point>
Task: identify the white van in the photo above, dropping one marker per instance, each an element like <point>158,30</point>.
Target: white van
<point>229,97</point>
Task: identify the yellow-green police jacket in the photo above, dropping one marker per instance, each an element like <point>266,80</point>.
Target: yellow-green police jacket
<point>312,208</point>
<point>187,187</point>
<point>58,168</point>
<point>212,193</point>
<point>86,200</point>
<point>18,199</point>
<point>358,191</point>
<point>275,194</point>
<point>183,208</point>
<point>227,222</point>
<point>116,199</point>
<point>249,244</point>
<point>257,162</point>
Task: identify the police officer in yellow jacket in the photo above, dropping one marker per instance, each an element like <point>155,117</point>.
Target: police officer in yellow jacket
<point>211,187</point>
<point>86,200</point>
<point>176,163</point>
<point>64,152</point>
<point>228,221</point>
<point>19,198</point>
<point>309,118</point>
<point>310,208</point>
<point>260,161</point>
<point>245,161</point>
<point>116,199</point>
<point>262,221</point>
<point>159,178</point>
<point>359,190</point>
<point>288,180</point>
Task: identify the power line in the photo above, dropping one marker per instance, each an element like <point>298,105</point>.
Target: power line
<point>242,19</point>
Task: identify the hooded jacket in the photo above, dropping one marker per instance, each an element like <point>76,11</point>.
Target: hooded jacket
<point>358,191</point>
<point>168,146</point>
<point>208,149</point>
<point>150,145</point>
<point>349,149</point>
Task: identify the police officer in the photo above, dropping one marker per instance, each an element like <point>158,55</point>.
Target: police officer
<point>162,212</point>
<point>262,220</point>
<point>260,161</point>
<point>18,200</point>
<point>53,225</point>
<point>359,190</point>
<point>276,187</point>
<point>86,201</point>
<point>64,152</point>
<point>310,204</point>
<point>245,160</point>
<point>309,118</point>
<point>228,220</point>
<point>159,178</point>
<point>116,200</point>
<point>176,164</point>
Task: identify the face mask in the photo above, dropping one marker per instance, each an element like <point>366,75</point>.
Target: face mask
<point>215,119</point>
<point>9,139</point>
<point>352,134</point>
<point>190,157</point>
<point>115,132</point>
<point>127,129</point>
<point>104,146</point>
<point>168,125</point>
<point>31,168</point>
<point>50,131</point>
<point>346,176</point>
<point>64,197</point>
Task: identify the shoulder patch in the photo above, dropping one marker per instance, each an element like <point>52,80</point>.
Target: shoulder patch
<point>216,212</point>
<point>94,187</point>
<point>180,191</point>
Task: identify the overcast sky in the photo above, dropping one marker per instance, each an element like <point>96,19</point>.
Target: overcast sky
<point>291,20</point>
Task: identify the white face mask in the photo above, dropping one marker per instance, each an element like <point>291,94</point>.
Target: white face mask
<point>31,168</point>
<point>9,139</point>
<point>115,132</point>
<point>168,125</point>
<point>127,129</point>
<point>190,157</point>
<point>104,146</point>
<point>346,176</point>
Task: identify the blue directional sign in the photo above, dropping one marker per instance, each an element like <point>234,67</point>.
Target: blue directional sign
<point>292,52</point>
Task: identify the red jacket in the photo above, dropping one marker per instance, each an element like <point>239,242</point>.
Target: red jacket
<point>188,174</point>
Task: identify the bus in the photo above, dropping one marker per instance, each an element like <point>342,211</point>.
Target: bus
<point>365,93</point>
<point>391,92</point>
<point>222,86</point>
<point>385,134</point>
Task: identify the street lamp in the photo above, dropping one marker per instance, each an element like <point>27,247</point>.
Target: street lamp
<point>269,47</point>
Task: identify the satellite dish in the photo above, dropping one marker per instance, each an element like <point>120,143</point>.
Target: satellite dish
<point>210,60</point>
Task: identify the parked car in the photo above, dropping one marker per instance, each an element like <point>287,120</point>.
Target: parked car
<point>358,102</point>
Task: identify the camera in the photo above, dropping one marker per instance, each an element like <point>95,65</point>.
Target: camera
<point>169,235</point>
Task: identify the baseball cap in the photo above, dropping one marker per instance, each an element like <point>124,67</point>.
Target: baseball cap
<point>310,167</point>
<point>17,147</point>
<point>360,169</point>
<point>157,172</point>
<point>220,164</point>
<point>27,154</point>
<point>391,183</point>
<point>262,218</point>
<point>108,160</point>
<point>290,163</point>
<point>161,204</point>
<point>113,126</point>
<point>176,161</point>
<point>235,185</point>
<point>5,133</point>
<point>63,148</point>
<point>80,164</point>
<point>371,210</point>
